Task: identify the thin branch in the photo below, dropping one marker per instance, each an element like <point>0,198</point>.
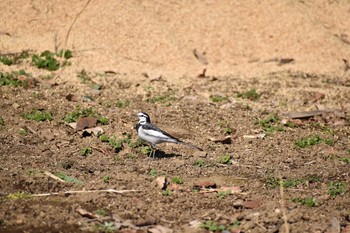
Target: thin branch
<point>85,191</point>
<point>71,26</point>
<point>285,218</point>
<point>49,174</point>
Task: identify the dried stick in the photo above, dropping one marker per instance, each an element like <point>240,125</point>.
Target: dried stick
<point>85,191</point>
<point>284,213</point>
<point>71,26</point>
<point>49,174</point>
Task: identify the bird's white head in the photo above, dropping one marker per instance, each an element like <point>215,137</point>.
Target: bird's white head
<point>143,118</point>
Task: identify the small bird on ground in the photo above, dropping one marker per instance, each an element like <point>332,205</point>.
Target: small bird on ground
<point>153,135</point>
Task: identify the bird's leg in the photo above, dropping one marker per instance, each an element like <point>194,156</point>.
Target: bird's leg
<point>153,151</point>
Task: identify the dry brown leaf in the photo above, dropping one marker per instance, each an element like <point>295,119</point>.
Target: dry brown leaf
<point>204,184</point>
<point>95,130</point>
<point>160,229</point>
<point>224,140</point>
<point>200,57</point>
<point>346,229</point>
<point>85,213</point>
<point>251,204</point>
<point>86,122</point>
<point>162,182</point>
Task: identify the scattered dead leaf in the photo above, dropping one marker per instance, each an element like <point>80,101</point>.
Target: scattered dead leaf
<point>260,135</point>
<point>200,57</point>
<point>223,140</point>
<point>73,125</point>
<point>308,114</point>
<point>162,182</point>
<point>251,204</point>
<point>335,226</point>
<point>88,132</point>
<point>283,61</point>
<point>85,213</point>
<point>160,229</point>
<point>86,122</point>
<point>346,229</point>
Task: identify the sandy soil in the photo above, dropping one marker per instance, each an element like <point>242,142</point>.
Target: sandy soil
<point>189,66</point>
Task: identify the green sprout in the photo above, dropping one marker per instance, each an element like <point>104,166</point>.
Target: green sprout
<point>177,180</point>
<point>251,95</point>
<point>86,151</point>
<point>37,115</point>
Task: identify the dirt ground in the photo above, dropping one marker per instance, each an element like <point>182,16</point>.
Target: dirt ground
<point>224,76</point>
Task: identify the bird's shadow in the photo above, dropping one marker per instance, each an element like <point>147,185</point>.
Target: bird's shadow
<point>162,155</point>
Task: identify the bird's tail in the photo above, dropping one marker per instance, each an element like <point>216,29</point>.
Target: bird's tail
<point>190,145</point>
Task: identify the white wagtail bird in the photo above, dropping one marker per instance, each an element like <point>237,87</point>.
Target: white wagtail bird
<point>153,135</point>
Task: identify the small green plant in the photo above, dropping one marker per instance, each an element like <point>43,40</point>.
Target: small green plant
<point>38,115</point>
<point>223,194</point>
<point>106,227</point>
<point>122,103</point>
<point>308,141</point>
<point>104,138</point>
<point>69,179</point>
<point>47,60</point>
<point>103,120</point>
<point>16,58</point>
<point>145,150</point>
<point>2,122</point>
<point>218,98</point>
<point>199,163</point>
<point>345,160</point>
<point>308,201</point>
<point>116,144</point>
<point>23,131</point>
<point>65,53</point>
<point>86,151</point>
<point>336,188</point>
<point>78,113</point>
<point>270,124</point>
<point>226,127</point>
<point>105,179</point>
<point>212,226</point>
<point>313,140</point>
<point>153,172</point>
<point>18,195</point>
<point>177,180</point>
<point>11,79</point>
<point>328,130</point>
<point>130,156</point>
<point>273,182</point>
<point>251,95</point>
<point>167,192</point>
<point>225,159</point>
<point>329,141</point>
<point>102,212</point>
<point>166,100</point>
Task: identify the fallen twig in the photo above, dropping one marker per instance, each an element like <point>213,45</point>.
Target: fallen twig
<point>283,207</point>
<point>49,174</point>
<point>85,191</point>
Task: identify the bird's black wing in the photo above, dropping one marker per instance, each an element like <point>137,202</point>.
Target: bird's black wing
<point>148,126</point>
